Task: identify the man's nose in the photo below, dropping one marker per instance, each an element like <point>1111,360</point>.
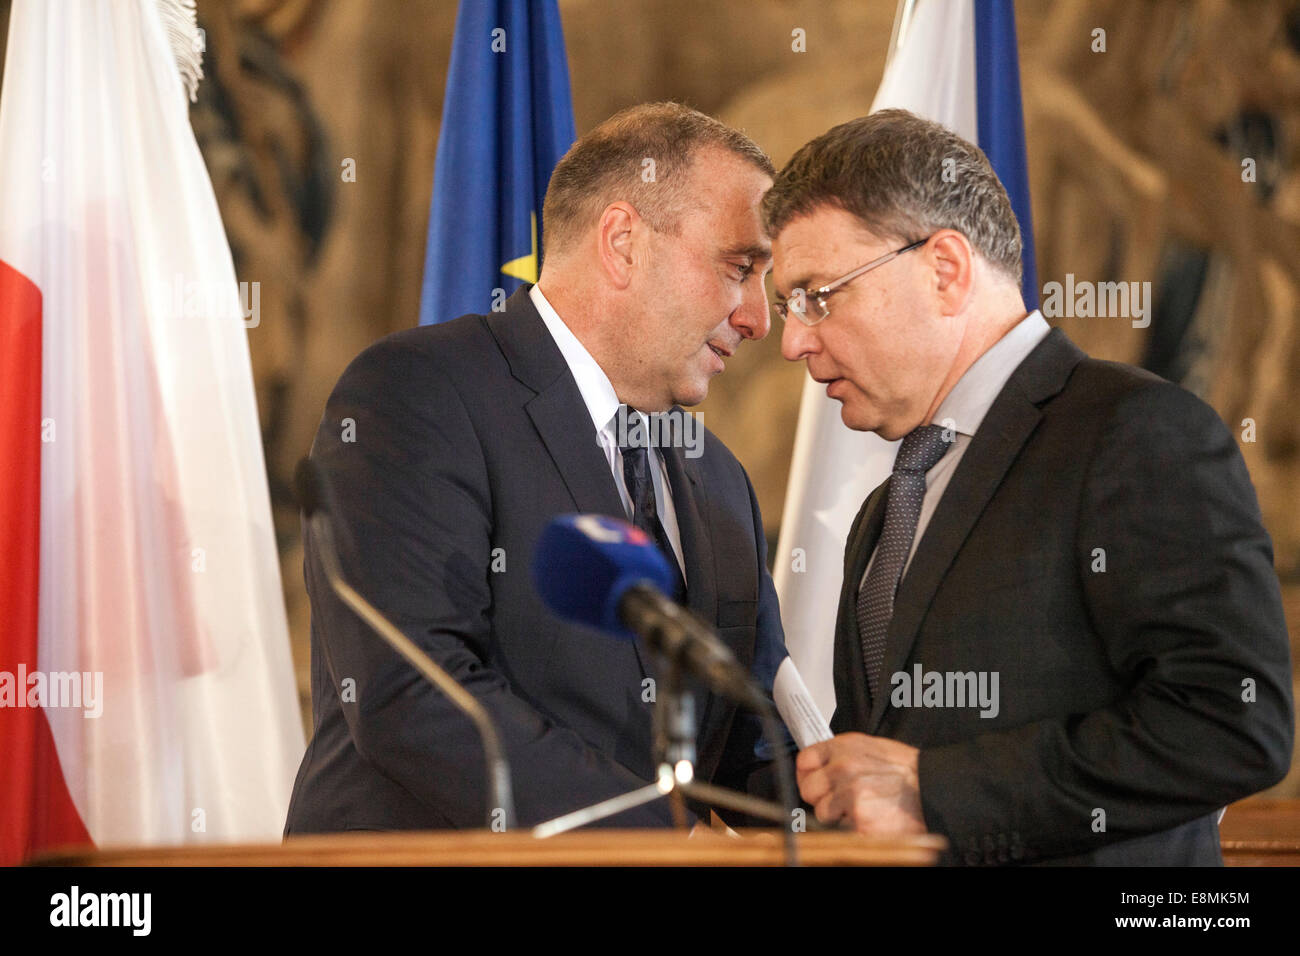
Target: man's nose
<point>752,319</point>
<point>798,341</point>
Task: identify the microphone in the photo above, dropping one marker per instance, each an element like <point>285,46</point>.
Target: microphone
<point>609,575</point>
<point>316,499</point>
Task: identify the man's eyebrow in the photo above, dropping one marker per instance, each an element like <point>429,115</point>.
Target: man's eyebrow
<point>756,252</point>
<point>801,283</point>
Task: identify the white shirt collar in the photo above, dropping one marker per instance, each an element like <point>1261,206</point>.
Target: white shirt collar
<point>597,391</point>
<point>973,395</point>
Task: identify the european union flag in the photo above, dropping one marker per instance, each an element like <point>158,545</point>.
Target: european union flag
<point>506,120</point>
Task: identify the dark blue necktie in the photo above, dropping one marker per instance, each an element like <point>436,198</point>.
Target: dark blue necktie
<point>920,451</point>
<point>641,489</point>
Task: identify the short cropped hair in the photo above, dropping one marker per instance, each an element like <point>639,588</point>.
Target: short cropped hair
<point>641,155</point>
<point>903,177</point>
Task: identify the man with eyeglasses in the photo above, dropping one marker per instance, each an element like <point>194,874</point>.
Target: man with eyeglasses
<point>1080,538</point>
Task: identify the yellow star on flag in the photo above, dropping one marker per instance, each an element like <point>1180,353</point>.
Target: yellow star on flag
<point>525,267</point>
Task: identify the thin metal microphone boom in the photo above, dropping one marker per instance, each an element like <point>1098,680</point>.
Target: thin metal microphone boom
<point>312,494</point>
<point>672,631</point>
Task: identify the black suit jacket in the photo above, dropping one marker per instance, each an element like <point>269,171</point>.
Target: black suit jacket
<point>1142,697</point>
<point>450,447</point>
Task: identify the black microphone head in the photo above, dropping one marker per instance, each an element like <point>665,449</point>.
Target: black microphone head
<point>309,488</point>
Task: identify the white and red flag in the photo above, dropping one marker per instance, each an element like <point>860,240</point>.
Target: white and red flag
<point>146,686</point>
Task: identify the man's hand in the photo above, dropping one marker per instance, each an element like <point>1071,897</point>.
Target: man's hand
<point>869,782</point>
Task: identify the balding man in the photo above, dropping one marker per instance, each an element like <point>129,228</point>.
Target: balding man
<point>1060,635</point>
<point>465,439</point>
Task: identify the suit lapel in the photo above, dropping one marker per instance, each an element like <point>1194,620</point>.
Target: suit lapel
<point>557,410</point>
<point>583,467</point>
<point>691,503</point>
<point>1010,421</point>
<point>576,453</point>
<point>559,414</point>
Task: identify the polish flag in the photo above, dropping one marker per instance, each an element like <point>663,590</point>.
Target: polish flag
<point>146,686</point>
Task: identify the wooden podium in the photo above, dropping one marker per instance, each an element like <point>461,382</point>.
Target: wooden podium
<point>520,848</point>
<point>1254,832</point>
<point>1261,832</point>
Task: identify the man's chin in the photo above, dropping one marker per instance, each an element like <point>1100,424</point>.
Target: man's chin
<point>854,417</point>
<point>849,415</point>
<point>851,421</point>
<point>691,394</point>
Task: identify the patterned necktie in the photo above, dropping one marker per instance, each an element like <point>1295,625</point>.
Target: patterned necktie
<point>920,451</point>
<point>641,489</point>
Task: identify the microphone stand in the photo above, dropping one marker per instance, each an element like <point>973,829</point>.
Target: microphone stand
<point>500,798</point>
<point>675,732</point>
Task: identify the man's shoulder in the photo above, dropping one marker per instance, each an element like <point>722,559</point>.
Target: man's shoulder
<point>1125,393</point>
<point>1058,373</point>
<point>459,356</point>
<point>1114,380</point>
<point>1111,413</point>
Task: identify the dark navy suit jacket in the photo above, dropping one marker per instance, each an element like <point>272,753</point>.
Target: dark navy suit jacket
<point>450,447</point>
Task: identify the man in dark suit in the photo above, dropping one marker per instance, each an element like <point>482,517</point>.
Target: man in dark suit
<point>1060,635</point>
<point>452,446</point>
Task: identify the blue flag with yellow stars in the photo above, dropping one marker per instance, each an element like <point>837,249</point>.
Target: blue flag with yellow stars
<point>506,120</point>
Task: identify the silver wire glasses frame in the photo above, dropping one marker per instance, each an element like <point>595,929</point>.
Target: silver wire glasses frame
<point>797,304</point>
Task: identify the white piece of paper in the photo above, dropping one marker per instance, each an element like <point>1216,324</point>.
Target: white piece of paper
<point>797,707</point>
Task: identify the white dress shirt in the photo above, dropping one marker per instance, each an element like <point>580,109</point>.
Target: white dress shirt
<point>603,404</point>
<point>966,405</point>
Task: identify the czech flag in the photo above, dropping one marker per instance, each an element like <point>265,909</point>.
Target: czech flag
<point>954,62</point>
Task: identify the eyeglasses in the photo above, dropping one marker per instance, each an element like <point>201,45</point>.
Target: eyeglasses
<point>799,301</point>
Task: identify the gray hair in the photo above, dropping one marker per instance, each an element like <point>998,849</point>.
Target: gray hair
<point>903,177</point>
<point>610,164</point>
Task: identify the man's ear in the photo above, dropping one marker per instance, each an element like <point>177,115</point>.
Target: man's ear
<point>953,259</point>
<point>615,240</point>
